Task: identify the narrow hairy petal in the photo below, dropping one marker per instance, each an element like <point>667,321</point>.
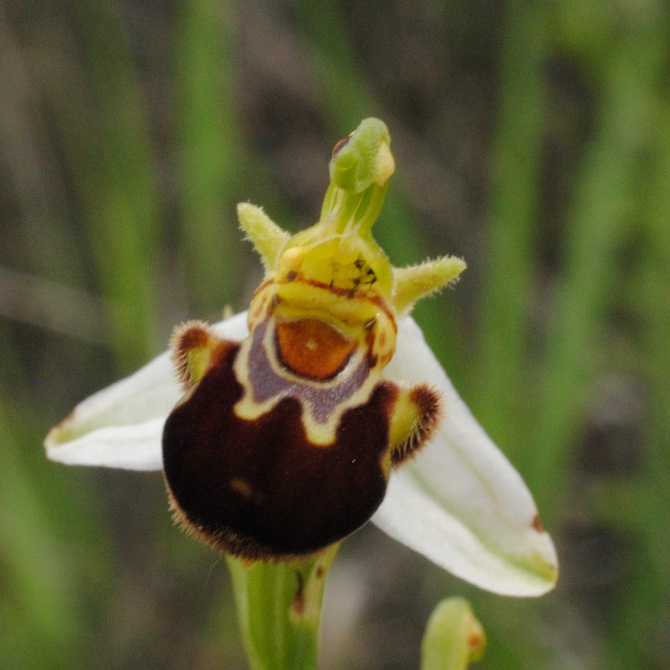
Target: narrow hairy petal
<point>121,426</point>
<point>459,502</point>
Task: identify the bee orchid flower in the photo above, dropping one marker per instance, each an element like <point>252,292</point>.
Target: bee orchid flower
<point>283,429</point>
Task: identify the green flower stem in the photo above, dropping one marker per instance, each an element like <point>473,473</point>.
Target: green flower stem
<point>454,637</point>
<point>359,210</point>
<point>279,610</point>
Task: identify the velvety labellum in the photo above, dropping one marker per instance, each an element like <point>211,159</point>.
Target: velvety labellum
<point>285,480</point>
<point>259,488</point>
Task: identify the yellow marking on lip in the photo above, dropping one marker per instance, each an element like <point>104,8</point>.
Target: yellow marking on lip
<point>242,486</point>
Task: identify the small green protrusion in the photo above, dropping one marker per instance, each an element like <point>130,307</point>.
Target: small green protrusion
<point>268,238</point>
<point>363,159</point>
<point>418,281</point>
<point>454,638</point>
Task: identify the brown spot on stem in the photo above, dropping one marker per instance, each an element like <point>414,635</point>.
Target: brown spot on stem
<point>340,144</point>
<point>476,641</point>
<point>537,524</point>
<point>298,604</point>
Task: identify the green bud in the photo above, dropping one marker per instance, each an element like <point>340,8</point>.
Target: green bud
<point>454,638</point>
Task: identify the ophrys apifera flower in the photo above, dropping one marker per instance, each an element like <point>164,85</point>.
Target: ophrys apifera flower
<point>322,407</point>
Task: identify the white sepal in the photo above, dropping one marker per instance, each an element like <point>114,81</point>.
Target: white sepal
<point>459,502</point>
<point>121,426</point>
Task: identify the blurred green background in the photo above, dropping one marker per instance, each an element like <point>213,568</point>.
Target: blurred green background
<point>531,137</point>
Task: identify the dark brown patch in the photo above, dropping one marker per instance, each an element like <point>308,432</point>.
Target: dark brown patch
<point>312,348</point>
<point>537,524</point>
<point>340,144</point>
<point>298,604</point>
<point>191,336</point>
<point>305,497</point>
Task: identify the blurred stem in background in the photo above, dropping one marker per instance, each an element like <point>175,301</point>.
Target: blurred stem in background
<point>454,638</point>
<point>36,596</point>
<point>636,628</point>
<point>510,267</point>
<point>596,229</point>
<point>210,155</point>
<point>100,121</point>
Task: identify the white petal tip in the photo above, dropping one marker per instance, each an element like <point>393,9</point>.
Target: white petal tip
<point>136,447</point>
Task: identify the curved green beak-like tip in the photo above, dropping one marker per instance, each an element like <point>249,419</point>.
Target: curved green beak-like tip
<point>364,158</point>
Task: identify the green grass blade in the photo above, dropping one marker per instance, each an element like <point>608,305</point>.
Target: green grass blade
<point>597,225</point>
<point>501,380</point>
<point>101,123</point>
<point>211,158</point>
<point>635,629</point>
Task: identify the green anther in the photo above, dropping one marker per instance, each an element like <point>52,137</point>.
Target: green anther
<point>363,159</point>
<point>359,172</point>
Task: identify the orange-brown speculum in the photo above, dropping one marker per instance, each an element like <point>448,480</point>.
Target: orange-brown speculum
<point>313,348</point>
